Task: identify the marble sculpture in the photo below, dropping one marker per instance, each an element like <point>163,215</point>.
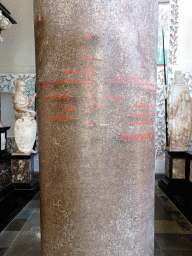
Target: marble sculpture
<point>25,125</point>
<point>179,114</point>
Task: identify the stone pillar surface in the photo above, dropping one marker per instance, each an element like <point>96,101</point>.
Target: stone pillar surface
<point>96,90</point>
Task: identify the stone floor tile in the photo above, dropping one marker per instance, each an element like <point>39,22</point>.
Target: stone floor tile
<point>184,224</point>
<point>16,225</point>
<point>27,244</point>
<point>3,250</point>
<point>177,252</point>
<point>36,197</point>
<point>7,237</point>
<point>165,226</point>
<point>32,222</point>
<point>24,214</point>
<point>156,244</point>
<point>33,204</point>
<point>173,242</point>
<point>158,252</point>
<point>162,214</point>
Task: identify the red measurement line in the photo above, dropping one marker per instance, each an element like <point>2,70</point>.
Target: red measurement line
<point>66,117</point>
<point>94,97</point>
<point>93,81</point>
<point>93,110</point>
<point>94,94</point>
<point>94,86</point>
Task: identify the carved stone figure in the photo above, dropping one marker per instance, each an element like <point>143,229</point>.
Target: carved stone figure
<point>25,125</point>
<point>179,114</point>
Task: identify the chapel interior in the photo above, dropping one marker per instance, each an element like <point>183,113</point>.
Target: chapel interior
<point>170,179</point>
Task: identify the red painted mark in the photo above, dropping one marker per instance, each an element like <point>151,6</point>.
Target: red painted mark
<point>142,106</point>
<point>93,110</point>
<point>116,98</point>
<point>139,123</point>
<point>49,83</point>
<point>89,36</point>
<point>87,94</point>
<point>127,137</point>
<point>88,58</point>
<point>100,106</point>
<point>59,96</point>
<point>93,81</point>
<point>37,20</point>
<point>94,97</point>
<point>100,88</point>
<point>89,75</point>
<point>74,73</point>
<point>89,138</point>
<point>151,90</point>
<point>88,68</point>
<point>88,123</point>
<point>87,110</point>
<point>70,109</point>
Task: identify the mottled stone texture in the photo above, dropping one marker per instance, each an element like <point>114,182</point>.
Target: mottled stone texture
<point>96,86</point>
<point>5,172</point>
<point>178,168</point>
<point>167,165</point>
<point>22,170</point>
<point>190,175</point>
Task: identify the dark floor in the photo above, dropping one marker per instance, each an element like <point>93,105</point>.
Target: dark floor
<point>173,233</point>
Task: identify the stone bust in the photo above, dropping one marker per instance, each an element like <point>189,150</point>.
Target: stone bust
<point>21,105</point>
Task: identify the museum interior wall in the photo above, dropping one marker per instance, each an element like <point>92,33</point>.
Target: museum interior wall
<point>19,59</point>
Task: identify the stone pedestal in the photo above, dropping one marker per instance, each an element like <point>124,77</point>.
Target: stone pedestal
<point>177,183</point>
<point>96,90</point>
<point>22,167</point>
<point>5,172</point>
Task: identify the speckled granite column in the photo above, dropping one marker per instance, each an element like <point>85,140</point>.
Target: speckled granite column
<point>96,84</point>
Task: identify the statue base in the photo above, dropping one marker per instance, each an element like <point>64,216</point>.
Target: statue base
<point>22,166</point>
<point>177,182</point>
<point>17,194</point>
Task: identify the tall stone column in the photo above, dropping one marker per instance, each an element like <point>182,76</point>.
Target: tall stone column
<point>96,82</point>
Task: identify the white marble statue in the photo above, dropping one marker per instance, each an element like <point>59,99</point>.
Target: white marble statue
<point>25,125</point>
<point>179,114</point>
